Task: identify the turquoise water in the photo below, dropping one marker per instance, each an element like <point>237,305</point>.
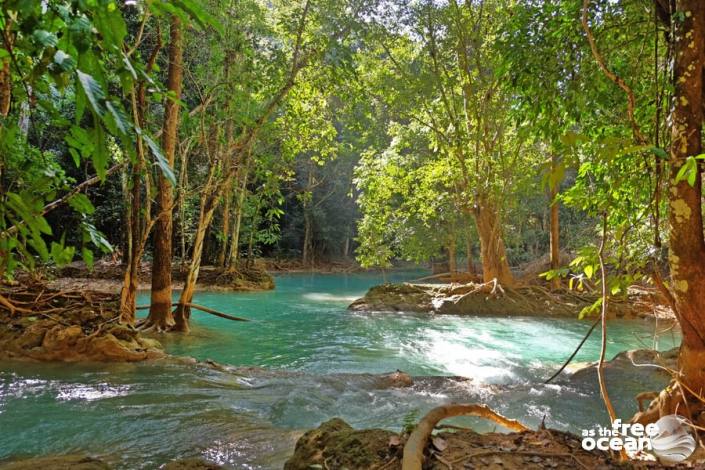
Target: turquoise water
<point>301,360</point>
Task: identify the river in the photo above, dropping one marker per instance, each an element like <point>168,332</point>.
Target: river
<point>304,359</point>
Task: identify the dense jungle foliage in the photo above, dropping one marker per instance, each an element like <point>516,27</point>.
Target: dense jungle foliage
<point>497,131</point>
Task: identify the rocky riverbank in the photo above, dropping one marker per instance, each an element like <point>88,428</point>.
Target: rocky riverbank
<point>335,444</point>
<point>85,462</point>
<point>492,299</point>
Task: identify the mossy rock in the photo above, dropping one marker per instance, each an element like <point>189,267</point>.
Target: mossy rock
<point>335,444</point>
<point>57,462</point>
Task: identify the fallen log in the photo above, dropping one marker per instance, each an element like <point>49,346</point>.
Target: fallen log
<point>203,309</point>
<point>414,448</point>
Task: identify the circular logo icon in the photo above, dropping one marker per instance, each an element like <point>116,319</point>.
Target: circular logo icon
<point>674,440</point>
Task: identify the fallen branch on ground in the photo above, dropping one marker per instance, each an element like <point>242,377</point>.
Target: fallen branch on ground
<point>415,445</point>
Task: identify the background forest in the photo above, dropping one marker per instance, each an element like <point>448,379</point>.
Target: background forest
<point>552,146</point>
<point>213,133</point>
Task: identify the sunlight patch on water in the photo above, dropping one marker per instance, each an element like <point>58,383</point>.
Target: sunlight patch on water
<point>68,392</point>
<point>467,353</point>
<point>225,453</point>
<point>326,297</point>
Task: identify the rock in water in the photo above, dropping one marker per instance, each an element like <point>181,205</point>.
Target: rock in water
<point>334,444</point>
<point>57,462</point>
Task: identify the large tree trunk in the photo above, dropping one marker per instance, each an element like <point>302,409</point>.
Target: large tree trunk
<point>687,246</point>
<point>494,256</point>
<point>554,238</point>
<point>160,306</point>
<point>138,220</point>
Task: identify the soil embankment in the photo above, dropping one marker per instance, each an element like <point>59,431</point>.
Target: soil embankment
<point>106,276</point>
<point>43,324</point>
<point>492,299</point>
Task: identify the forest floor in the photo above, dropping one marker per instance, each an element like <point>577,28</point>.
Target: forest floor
<point>107,276</point>
<point>336,445</point>
<point>70,325</point>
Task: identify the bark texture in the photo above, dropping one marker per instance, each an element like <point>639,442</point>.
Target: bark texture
<point>686,243</point>
<point>160,306</point>
<point>494,255</point>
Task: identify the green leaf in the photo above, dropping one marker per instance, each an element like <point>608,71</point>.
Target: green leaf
<point>659,152</point>
<point>100,153</point>
<point>589,271</point>
<point>93,91</point>
<point>95,237</point>
<point>161,161</point>
<point>688,171</point>
<point>202,17</point>
<point>45,38</point>
<point>64,61</point>
<point>62,255</point>
<point>121,120</point>
<point>81,203</point>
<point>87,256</point>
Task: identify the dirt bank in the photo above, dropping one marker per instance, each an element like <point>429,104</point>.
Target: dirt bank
<point>335,444</point>
<point>490,299</point>
<point>43,324</point>
<point>107,276</point>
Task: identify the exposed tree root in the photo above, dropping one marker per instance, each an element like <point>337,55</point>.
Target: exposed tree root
<point>69,325</point>
<point>35,299</point>
<point>416,444</point>
<point>676,398</point>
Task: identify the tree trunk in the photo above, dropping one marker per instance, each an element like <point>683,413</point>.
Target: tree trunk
<point>452,254</point>
<point>494,256</point>
<point>554,238</point>
<point>225,230</point>
<point>5,73</point>
<point>183,184</point>
<point>468,249</point>
<point>687,246</point>
<point>128,294</point>
<point>251,241</point>
<point>307,249</point>
<point>160,306</point>
<point>307,255</point>
<point>205,216</point>
<point>241,188</point>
